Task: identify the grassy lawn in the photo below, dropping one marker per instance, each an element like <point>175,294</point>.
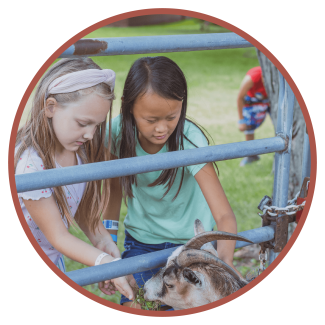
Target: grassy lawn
<point>213,79</point>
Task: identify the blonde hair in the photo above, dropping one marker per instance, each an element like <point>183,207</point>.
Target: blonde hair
<point>38,133</point>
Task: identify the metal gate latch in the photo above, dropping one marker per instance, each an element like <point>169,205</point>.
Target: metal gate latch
<point>281,217</point>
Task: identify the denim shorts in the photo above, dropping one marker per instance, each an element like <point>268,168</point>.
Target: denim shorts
<point>135,248</point>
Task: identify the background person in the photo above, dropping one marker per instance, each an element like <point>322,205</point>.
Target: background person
<point>252,104</point>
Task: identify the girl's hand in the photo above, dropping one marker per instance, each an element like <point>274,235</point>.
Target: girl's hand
<point>242,127</point>
<point>109,247</point>
<point>121,284</point>
<point>124,285</point>
<point>107,287</point>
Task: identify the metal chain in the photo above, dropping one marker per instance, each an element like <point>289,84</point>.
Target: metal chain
<point>262,257</point>
<point>274,211</point>
<point>290,209</point>
<point>270,212</point>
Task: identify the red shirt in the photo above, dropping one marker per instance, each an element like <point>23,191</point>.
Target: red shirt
<point>258,87</point>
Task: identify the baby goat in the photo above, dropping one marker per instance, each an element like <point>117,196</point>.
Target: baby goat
<point>194,275</point>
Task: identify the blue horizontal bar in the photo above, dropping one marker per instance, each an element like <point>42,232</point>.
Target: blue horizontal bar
<point>144,164</point>
<point>154,44</point>
<point>95,274</point>
<point>306,159</point>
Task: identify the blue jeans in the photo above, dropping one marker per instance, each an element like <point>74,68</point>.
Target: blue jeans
<point>135,248</point>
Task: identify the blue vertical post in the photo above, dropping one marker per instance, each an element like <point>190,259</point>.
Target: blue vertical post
<point>306,158</point>
<point>282,159</point>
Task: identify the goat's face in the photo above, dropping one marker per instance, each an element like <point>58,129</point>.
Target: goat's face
<point>193,275</point>
<point>181,287</point>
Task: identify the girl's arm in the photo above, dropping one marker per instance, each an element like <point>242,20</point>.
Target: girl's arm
<point>220,209</point>
<point>47,216</point>
<point>101,239</point>
<point>115,200</point>
<point>113,213</point>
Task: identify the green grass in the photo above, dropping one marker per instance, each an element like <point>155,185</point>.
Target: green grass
<point>146,305</point>
<point>213,80</point>
<point>189,26</point>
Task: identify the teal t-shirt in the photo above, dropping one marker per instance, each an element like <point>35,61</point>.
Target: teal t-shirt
<point>153,220</point>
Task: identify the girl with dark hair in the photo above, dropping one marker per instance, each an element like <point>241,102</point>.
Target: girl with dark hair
<point>162,205</point>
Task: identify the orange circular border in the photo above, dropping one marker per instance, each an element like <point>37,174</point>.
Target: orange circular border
<point>110,21</point>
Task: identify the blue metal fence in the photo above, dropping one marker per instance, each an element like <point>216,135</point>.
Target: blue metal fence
<point>306,162</point>
<point>144,164</point>
<point>150,261</point>
<point>280,144</point>
<point>154,44</point>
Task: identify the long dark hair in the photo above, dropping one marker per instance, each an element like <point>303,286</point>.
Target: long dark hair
<point>165,78</point>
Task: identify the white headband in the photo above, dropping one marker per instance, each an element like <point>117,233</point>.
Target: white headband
<point>80,80</point>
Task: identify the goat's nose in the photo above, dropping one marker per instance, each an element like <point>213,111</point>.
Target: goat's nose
<point>144,291</point>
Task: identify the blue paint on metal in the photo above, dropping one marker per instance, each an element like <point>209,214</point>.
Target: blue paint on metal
<point>258,235</point>
<point>155,44</point>
<point>306,159</point>
<point>144,164</point>
<point>149,261</point>
<point>282,160</point>
<point>124,167</point>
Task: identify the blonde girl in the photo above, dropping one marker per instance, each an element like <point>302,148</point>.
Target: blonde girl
<point>67,127</point>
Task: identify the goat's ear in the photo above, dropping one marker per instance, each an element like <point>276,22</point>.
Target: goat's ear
<point>191,277</point>
<point>198,227</point>
<point>208,247</point>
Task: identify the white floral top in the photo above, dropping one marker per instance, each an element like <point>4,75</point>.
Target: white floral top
<point>30,162</point>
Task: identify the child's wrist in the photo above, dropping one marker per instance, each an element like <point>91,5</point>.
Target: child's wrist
<point>226,259</point>
<point>106,259</point>
<point>230,262</point>
<point>102,257</point>
<point>112,232</point>
<point>110,259</point>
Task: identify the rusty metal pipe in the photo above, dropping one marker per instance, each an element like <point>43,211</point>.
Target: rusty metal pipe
<point>154,44</point>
